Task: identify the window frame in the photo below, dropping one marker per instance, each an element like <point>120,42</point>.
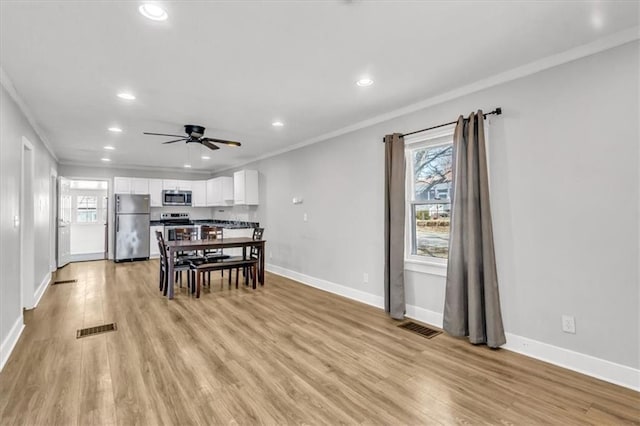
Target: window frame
<point>412,262</point>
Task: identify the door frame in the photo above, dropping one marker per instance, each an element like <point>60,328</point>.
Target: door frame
<point>53,220</point>
<point>27,260</point>
<point>108,207</point>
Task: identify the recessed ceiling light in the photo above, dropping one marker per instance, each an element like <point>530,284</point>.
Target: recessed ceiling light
<point>277,124</point>
<point>106,160</point>
<point>153,12</point>
<point>364,82</point>
<point>206,157</point>
<point>187,166</point>
<point>115,129</point>
<point>126,96</point>
<point>109,148</point>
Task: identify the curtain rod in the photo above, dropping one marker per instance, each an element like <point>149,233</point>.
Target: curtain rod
<point>496,111</point>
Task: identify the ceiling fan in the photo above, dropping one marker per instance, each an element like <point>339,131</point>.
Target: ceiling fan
<point>196,134</point>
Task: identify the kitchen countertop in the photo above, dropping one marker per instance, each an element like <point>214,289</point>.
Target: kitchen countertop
<point>228,224</point>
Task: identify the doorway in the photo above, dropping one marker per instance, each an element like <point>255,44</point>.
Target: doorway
<point>53,184</point>
<point>87,200</point>
<point>27,243</point>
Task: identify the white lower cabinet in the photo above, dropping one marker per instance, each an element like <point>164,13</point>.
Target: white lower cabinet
<point>154,250</point>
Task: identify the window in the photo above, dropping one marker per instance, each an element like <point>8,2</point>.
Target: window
<point>429,187</point>
<point>86,209</point>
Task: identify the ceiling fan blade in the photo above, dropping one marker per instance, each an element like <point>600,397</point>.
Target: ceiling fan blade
<point>177,140</point>
<point>163,134</point>
<point>222,141</point>
<point>209,144</point>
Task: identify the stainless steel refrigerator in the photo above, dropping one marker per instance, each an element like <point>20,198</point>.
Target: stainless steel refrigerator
<point>131,227</point>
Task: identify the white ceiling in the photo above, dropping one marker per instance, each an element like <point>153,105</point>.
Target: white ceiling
<point>234,67</point>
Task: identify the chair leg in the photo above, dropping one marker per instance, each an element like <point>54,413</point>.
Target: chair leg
<point>198,275</point>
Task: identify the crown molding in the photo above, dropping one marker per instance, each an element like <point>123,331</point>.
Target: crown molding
<point>600,45</point>
<point>135,167</point>
<point>11,89</point>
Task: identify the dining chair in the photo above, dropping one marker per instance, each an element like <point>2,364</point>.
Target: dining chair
<point>254,251</point>
<point>179,266</point>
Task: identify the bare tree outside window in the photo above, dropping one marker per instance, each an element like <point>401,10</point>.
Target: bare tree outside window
<point>431,204</point>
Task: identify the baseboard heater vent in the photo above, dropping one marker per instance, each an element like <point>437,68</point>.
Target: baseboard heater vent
<point>64,282</point>
<point>91,331</point>
<point>420,329</point>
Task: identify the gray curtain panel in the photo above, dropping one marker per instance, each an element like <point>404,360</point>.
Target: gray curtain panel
<point>394,199</point>
<point>472,300</point>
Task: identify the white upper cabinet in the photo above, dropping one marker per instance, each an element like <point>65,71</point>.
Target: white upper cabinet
<point>177,185</point>
<point>125,185</point>
<point>199,193</point>
<point>155,192</point>
<point>220,191</point>
<point>245,187</point>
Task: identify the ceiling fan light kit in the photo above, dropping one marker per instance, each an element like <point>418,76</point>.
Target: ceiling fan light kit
<point>195,134</point>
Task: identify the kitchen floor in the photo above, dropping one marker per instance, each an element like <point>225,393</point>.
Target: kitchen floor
<point>282,354</point>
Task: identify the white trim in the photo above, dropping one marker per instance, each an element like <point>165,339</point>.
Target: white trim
<point>426,267</point>
<point>125,167</point>
<point>586,364</point>
<point>84,257</point>
<point>44,284</point>
<point>9,343</point>
<point>424,315</point>
<point>53,222</point>
<point>6,82</point>
<point>609,42</point>
<point>26,295</point>
<point>341,290</point>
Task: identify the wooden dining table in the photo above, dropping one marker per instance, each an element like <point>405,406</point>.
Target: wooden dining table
<point>173,247</point>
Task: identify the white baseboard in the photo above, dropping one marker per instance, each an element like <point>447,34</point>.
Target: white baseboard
<point>586,364</point>
<point>348,292</point>
<point>424,315</point>
<point>10,341</point>
<point>41,289</point>
<point>83,257</point>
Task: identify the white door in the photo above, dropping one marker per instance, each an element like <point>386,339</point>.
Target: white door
<point>64,221</point>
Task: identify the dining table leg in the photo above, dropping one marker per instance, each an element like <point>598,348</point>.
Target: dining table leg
<point>170,281</point>
<point>261,271</point>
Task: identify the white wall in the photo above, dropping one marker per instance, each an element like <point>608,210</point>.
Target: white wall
<point>564,171</point>
<point>14,126</point>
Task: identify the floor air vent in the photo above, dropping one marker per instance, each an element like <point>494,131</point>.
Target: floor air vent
<point>91,331</point>
<point>420,329</point>
<point>64,282</point>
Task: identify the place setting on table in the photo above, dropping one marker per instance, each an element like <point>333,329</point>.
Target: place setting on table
<point>200,252</point>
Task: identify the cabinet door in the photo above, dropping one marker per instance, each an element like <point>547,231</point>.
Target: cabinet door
<point>155,192</point>
<point>121,185</point>
<point>184,185</point>
<point>139,186</point>
<point>227,190</point>
<point>154,250</point>
<point>199,193</point>
<point>170,184</point>
<point>238,187</point>
<point>209,188</point>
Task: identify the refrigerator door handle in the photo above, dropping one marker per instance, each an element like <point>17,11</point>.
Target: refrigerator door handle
<point>117,224</point>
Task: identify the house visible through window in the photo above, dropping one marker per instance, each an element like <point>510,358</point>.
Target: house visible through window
<point>429,196</point>
<point>87,209</point>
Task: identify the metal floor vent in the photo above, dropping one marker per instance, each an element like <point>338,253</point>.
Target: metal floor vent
<point>64,282</point>
<point>91,331</point>
<point>420,329</point>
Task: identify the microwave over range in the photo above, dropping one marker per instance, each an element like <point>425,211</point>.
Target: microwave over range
<point>176,198</point>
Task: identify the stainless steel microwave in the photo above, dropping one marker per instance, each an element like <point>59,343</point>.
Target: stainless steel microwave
<point>176,198</point>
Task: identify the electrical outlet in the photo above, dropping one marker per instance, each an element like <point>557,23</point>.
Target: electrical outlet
<point>304,217</point>
<point>270,255</point>
<point>569,324</point>
<point>365,278</point>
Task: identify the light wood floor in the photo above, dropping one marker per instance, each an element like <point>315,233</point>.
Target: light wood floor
<point>282,354</point>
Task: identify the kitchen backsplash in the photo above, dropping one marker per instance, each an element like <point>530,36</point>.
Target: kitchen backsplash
<point>235,213</point>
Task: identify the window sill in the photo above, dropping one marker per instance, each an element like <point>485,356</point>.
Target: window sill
<point>426,267</point>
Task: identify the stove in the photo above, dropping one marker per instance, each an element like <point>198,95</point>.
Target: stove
<point>172,221</point>
<point>169,219</point>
